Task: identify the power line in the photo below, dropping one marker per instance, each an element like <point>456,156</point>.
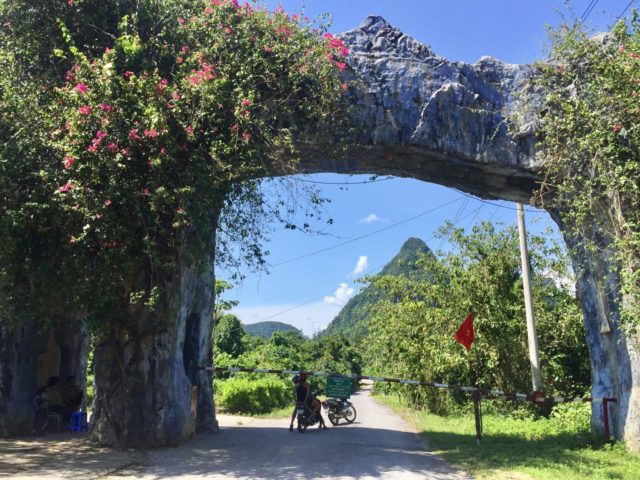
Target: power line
<point>625,9</point>
<point>588,10</point>
<point>494,204</point>
<point>474,213</point>
<point>355,239</point>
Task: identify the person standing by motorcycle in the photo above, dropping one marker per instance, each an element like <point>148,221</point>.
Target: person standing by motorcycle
<point>303,395</point>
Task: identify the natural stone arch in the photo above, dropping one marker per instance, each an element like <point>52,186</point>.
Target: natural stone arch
<point>419,116</point>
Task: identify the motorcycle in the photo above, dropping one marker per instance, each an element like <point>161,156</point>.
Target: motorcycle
<point>306,418</point>
<point>338,408</point>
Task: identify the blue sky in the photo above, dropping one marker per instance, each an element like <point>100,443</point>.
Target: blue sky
<point>371,220</point>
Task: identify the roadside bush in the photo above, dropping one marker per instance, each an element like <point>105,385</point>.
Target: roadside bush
<point>253,396</point>
<point>572,416</point>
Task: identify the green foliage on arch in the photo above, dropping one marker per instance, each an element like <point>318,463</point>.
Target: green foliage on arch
<point>590,144</point>
<point>125,129</point>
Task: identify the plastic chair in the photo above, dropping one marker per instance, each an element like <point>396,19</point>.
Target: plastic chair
<point>78,422</point>
<point>53,418</point>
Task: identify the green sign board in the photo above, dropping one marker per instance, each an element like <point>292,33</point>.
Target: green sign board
<point>338,387</point>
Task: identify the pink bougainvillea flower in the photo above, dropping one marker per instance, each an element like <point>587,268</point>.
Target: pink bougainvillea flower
<point>268,49</point>
<point>151,133</point>
<point>80,87</point>
<point>161,85</point>
<point>66,187</point>
<point>107,202</point>
<point>68,162</point>
<point>189,130</point>
<point>163,150</point>
<point>85,110</point>
<point>617,127</point>
<point>341,66</point>
<point>228,30</point>
<point>180,210</point>
<point>112,147</point>
<point>246,136</point>
<point>184,49</point>
<point>100,135</point>
<point>179,60</point>
<point>344,51</point>
<point>145,191</point>
<point>128,74</point>
<point>133,134</point>
<point>106,107</point>
<point>175,95</point>
<point>181,21</point>
<point>92,148</point>
<point>345,86</point>
<point>126,151</point>
<point>234,128</point>
<point>245,102</point>
<point>208,11</point>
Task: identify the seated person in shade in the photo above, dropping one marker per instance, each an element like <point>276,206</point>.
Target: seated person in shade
<point>65,399</point>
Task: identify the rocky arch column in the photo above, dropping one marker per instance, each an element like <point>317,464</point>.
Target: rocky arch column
<point>145,373</point>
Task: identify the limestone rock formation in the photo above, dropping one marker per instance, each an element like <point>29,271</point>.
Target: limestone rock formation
<point>419,115</point>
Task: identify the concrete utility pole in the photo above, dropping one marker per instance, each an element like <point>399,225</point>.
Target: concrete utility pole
<point>534,358</point>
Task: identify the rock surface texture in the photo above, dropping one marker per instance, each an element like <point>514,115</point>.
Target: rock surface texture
<point>472,127</point>
<point>418,115</point>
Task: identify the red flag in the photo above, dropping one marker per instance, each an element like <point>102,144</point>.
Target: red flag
<point>464,334</point>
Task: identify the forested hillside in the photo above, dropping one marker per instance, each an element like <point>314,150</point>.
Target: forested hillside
<point>266,329</point>
<point>353,319</point>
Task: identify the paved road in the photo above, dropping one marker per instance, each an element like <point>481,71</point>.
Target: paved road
<point>379,445</point>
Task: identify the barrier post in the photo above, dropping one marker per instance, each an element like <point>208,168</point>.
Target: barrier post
<point>478,415</point>
<point>605,408</point>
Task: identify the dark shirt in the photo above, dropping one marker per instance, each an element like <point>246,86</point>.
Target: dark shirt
<point>301,392</point>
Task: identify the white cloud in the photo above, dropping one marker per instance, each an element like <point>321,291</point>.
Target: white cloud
<point>341,295</point>
<point>361,266</point>
<point>310,318</point>
<point>371,218</point>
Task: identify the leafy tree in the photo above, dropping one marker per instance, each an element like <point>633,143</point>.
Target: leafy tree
<point>590,143</point>
<point>228,335</point>
<point>411,333</point>
<point>167,112</point>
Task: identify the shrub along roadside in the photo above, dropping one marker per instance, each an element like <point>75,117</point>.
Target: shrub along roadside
<point>253,395</point>
<point>557,447</point>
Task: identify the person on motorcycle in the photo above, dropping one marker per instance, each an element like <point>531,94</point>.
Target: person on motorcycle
<point>304,395</point>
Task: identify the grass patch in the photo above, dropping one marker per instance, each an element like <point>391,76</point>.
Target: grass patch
<point>520,448</point>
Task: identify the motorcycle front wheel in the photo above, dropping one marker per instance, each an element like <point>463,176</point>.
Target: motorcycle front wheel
<point>302,426</point>
<point>351,414</point>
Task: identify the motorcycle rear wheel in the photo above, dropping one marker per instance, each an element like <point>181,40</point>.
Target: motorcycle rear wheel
<point>333,419</point>
<point>351,414</point>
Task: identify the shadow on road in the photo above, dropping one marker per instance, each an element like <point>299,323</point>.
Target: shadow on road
<point>242,452</point>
